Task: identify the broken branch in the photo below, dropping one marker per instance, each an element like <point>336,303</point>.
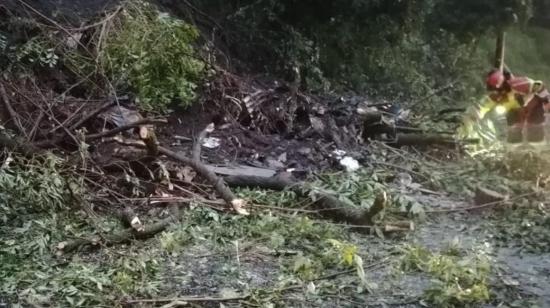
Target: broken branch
<point>198,142</point>
<point>211,177</point>
<point>188,299</point>
<point>11,111</point>
<point>92,114</point>
<point>124,236</point>
<point>120,129</point>
<point>327,205</point>
<point>130,219</point>
<point>16,145</point>
<point>428,139</point>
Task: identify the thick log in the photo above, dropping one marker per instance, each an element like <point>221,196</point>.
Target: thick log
<point>328,206</point>
<point>130,219</point>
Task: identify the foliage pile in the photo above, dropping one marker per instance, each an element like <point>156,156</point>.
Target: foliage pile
<point>527,228</point>
<point>33,186</point>
<point>385,47</point>
<point>457,281</point>
<point>152,54</point>
<point>35,201</point>
<point>136,50</point>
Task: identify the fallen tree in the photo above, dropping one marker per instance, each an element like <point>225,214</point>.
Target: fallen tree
<point>327,205</point>
<point>136,229</point>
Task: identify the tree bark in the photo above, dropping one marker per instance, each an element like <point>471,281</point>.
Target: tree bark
<point>328,206</point>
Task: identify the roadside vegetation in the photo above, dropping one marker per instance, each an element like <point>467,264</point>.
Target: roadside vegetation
<point>71,189</point>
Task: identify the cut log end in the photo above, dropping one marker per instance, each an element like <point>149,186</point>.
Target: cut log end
<point>238,205</point>
<point>487,196</point>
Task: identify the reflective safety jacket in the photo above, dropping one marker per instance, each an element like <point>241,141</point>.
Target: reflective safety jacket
<point>522,90</point>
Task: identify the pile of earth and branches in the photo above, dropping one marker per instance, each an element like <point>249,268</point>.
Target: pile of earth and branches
<point>126,140</point>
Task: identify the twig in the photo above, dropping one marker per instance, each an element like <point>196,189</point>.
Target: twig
<point>328,205</point>
<point>334,275</point>
<point>53,22</point>
<point>93,114</point>
<point>433,93</point>
<point>401,168</point>
<point>189,299</point>
<point>369,267</point>
<point>378,104</point>
<point>11,111</point>
<point>192,7</point>
<point>451,110</point>
<point>481,206</point>
<point>117,130</point>
<point>123,236</point>
<point>82,80</point>
<point>99,23</point>
<point>68,120</point>
<point>36,125</point>
<point>49,111</point>
<point>284,209</point>
<point>130,219</point>
<point>17,145</point>
<point>198,142</point>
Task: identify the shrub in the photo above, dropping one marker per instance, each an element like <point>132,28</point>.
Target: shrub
<point>152,54</point>
<point>457,281</point>
<point>32,186</point>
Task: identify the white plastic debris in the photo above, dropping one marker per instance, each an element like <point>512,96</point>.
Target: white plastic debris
<point>339,153</point>
<point>350,164</point>
<point>211,142</point>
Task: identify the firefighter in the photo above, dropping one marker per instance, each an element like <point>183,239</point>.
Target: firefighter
<point>524,101</point>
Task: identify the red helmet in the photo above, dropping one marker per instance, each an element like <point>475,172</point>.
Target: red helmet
<point>495,79</point>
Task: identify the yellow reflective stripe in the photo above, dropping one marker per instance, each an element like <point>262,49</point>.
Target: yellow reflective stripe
<point>511,104</point>
<point>486,107</point>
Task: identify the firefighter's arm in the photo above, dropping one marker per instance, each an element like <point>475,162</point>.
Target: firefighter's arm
<point>526,86</point>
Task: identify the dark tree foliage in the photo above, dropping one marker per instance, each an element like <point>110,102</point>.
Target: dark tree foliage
<point>541,13</point>
<point>398,47</point>
<point>470,18</point>
<point>384,44</point>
